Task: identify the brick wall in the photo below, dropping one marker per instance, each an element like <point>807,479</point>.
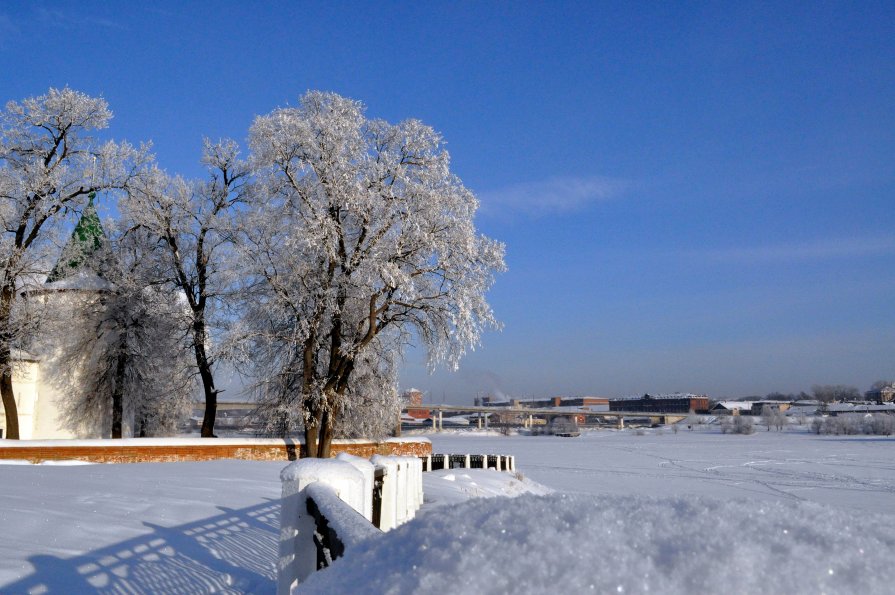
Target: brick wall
<point>206,450</point>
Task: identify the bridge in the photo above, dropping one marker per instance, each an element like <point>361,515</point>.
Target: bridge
<point>548,413</point>
<point>527,413</point>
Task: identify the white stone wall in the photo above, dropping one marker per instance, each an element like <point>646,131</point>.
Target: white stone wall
<point>37,405</point>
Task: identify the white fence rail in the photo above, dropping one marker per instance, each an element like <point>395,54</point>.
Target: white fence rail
<point>402,489</point>
<point>327,508</point>
<point>331,505</point>
<point>435,462</point>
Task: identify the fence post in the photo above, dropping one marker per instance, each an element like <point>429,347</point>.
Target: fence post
<point>419,485</point>
<point>297,550</point>
<point>388,504</point>
<point>367,470</point>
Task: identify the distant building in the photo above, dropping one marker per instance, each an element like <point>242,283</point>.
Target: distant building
<point>676,403</point>
<point>758,406</point>
<point>732,408</point>
<point>414,400</point>
<point>835,409</point>
<point>492,401</point>
<point>885,394</point>
<point>590,403</point>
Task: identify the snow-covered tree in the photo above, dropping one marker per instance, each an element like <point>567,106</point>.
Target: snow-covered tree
<point>49,164</point>
<point>195,222</point>
<point>359,231</point>
<point>772,417</point>
<point>116,351</point>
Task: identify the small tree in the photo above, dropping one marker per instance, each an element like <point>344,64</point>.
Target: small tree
<point>737,424</point>
<point>359,230</point>
<point>116,351</point>
<point>195,222</point>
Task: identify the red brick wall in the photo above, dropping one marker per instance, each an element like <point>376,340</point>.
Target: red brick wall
<point>131,453</point>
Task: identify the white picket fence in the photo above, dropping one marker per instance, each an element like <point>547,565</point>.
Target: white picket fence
<point>435,462</point>
<point>327,508</point>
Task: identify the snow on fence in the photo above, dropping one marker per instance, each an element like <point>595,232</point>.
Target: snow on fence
<point>157,450</point>
<point>328,507</point>
<point>331,505</point>
<point>401,492</point>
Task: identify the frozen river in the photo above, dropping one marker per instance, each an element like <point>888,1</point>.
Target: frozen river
<point>853,471</point>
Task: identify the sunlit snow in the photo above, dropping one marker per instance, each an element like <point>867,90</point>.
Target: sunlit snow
<point>632,511</point>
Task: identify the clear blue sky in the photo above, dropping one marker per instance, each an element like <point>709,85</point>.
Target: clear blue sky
<point>694,196</point>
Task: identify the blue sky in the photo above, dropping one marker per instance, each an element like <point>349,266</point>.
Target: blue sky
<point>694,196</point>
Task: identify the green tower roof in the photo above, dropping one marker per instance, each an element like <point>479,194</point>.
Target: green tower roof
<point>85,249</point>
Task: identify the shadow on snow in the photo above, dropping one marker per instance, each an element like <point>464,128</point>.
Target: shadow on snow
<point>234,552</point>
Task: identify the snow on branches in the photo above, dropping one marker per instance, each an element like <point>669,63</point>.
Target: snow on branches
<point>360,238</point>
<point>49,165</point>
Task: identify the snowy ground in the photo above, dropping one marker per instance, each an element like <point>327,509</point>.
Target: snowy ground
<point>167,528</point>
<point>453,486</point>
<point>856,472</point>
<point>734,502</point>
<point>144,528</point>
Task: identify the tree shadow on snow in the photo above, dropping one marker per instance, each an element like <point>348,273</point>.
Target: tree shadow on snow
<point>234,552</point>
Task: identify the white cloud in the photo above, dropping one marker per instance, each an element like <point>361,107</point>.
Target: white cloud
<point>803,251</point>
<point>552,196</point>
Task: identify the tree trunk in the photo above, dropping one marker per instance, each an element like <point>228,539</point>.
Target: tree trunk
<point>311,440</point>
<point>324,450</point>
<point>211,408</point>
<point>202,363</point>
<point>314,429</point>
<point>118,395</point>
<point>9,399</point>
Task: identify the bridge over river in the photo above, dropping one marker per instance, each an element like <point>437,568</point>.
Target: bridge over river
<point>528,414</point>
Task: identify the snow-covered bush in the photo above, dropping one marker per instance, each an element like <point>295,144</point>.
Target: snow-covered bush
<point>850,424</point>
<point>772,417</point>
<point>737,424</point>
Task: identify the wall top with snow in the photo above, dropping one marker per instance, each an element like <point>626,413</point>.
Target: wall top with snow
<point>156,450</point>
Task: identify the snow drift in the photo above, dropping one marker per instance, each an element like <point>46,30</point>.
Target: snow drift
<point>602,544</point>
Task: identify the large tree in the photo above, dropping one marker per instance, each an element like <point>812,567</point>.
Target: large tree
<point>48,166</point>
<point>361,240</point>
<point>195,222</point>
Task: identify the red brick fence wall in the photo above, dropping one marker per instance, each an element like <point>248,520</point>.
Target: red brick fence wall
<point>166,450</point>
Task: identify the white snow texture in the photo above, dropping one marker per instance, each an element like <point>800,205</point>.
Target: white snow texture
<point>577,543</point>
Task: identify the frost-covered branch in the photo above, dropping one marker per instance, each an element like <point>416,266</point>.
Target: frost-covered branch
<point>358,237</point>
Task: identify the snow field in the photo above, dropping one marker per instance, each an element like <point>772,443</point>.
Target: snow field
<point>855,472</point>
<point>786,512</point>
